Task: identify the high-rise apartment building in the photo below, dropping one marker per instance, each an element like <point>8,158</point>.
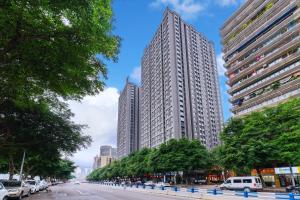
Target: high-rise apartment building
<point>128,120</point>
<point>179,90</point>
<point>262,54</point>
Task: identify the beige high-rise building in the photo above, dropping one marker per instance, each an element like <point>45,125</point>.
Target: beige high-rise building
<point>261,45</point>
<point>107,155</point>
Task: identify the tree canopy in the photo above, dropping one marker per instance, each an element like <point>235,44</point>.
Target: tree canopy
<point>267,138</point>
<point>51,47</point>
<point>50,51</point>
<point>173,156</point>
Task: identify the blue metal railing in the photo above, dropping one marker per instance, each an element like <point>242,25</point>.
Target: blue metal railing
<point>215,191</point>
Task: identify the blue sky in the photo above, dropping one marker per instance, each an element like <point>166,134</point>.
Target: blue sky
<point>136,21</point>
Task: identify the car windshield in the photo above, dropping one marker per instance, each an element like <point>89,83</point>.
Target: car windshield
<point>11,183</point>
<point>31,182</point>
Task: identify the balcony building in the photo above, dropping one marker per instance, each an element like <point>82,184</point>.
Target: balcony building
<point>261,45</point>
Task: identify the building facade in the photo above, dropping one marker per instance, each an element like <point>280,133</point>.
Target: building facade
<point>108,151</point>
<point>180,95</point>
<point>261,46</point>
<point>106,156</point>
<point>96,163</point>
<point>128,120</point>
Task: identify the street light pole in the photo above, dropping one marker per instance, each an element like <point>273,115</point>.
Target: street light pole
<point>22,165</point>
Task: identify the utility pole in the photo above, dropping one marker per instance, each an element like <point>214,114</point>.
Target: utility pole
<point>292,176</point>
<point>22,165</point>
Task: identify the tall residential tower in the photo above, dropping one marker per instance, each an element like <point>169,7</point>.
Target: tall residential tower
<point>179,90</point>
<point>262,54</point>
<point>128,120</point>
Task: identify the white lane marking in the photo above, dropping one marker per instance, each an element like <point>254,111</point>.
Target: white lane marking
<point>81,193</point>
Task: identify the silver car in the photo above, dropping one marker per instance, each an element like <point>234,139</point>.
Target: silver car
<point>16,189</point>
<point>34,186</point>
<point>3,193</point>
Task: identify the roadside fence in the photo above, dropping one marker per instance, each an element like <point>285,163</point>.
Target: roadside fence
<point>210,194</point>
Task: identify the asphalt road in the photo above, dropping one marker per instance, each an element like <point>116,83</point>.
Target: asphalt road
<point>86,191</point>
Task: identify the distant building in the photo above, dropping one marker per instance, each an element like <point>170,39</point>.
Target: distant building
<point>128,120</point>
<point>105,160</point>
<point>108,151</point>
<point>261,46</point>
<point>180,95</point>
<point>96,163</point>
<point>107,155</point>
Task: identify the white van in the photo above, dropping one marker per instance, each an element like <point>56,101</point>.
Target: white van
<point>246,183</point>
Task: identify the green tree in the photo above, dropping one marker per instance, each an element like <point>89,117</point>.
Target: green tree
<point>49,48</point>
<point>63,169</point>
<point>263,139</point>
<point>179,155</point>
<point>173,156</point>
<point>42,133</point>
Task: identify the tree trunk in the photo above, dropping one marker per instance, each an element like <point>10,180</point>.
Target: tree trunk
<point>260,176</point>
<point>11,167</point>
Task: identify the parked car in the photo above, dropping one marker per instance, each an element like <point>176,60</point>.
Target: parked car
<point>136,183</point>
<point>16,189</point>
<point>149,183</point>
<point>43,184</point>
<point>162,184</point>
<point>34,186</point>
<point>247,183</point>
<point>76,183</point>
<point>3,192</point>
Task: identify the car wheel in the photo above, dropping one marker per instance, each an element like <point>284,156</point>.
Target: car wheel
<point>247,190</point>
<point>28,194</point>
<point>20,197</point>
<point>5,198</point>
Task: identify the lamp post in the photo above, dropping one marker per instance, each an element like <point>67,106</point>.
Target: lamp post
<point>22,165</point>
<point>292,175</point>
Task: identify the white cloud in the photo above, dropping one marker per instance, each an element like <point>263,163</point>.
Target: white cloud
<point>229,2</point>
<point>220,64</point>
<point>100,113</point>
<point>187,8</point>
<point>136,75</point>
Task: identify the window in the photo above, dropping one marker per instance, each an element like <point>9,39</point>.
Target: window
<point>237,181</point>
<point>247,180</point>
<point>228,181</point>
<point>257,180</point>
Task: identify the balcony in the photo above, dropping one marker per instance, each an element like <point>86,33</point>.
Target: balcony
<point>264,39</point>
<point>268,80</point>
<point>278,7</point>
<point>290,86</point>
<point>268,70</point>
<point>255,37</point>
<point>241,13</point>
<point>261,46</point>
<point>264,59</point>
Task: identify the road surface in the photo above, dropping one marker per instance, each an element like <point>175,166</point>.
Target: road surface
<point>86,191</point>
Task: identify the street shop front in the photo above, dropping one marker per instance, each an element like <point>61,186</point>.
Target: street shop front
<point>285,177</point>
